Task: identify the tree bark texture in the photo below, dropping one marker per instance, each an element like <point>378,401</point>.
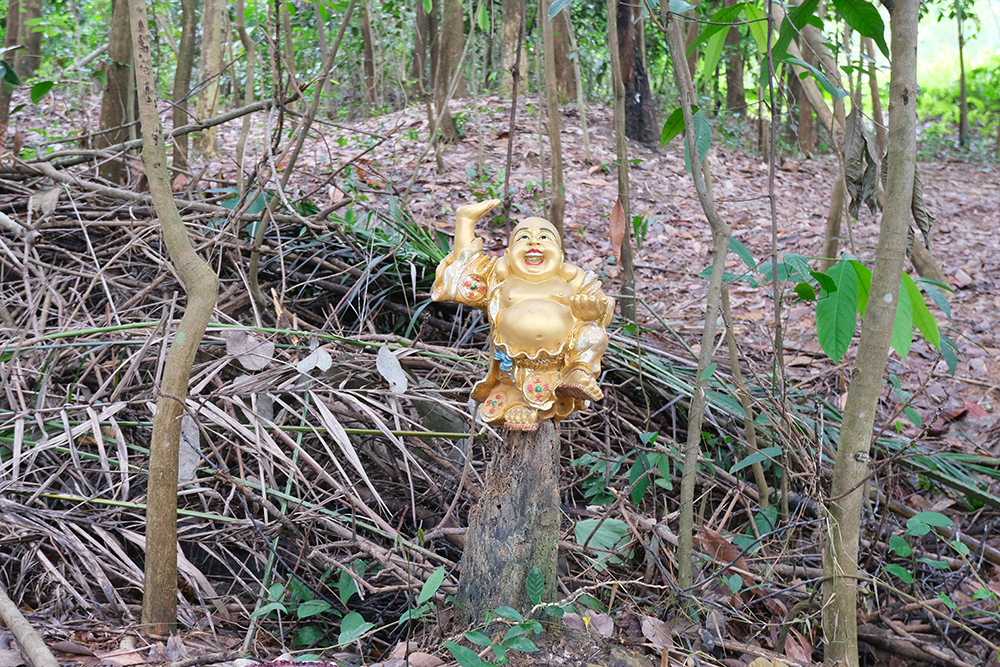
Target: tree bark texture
<point>557,204</point>
<point>421,40</point>
<point>851,467</point>
<point>963,98</point>
<point>115,97</point>
<point>640,118</point>
<point>10,40</point>
<point>566,83</point>
<point>509,28</point>
<point>515,526</point>
<point>182,78</point>
<point>368,72</point>
<point>211,65</point>
<point>29,59</point>
<point>159,603</point>
<point>736,96</point>
<point>449,50</point>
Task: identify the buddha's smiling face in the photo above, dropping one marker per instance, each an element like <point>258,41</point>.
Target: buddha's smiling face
<point>535,250</point>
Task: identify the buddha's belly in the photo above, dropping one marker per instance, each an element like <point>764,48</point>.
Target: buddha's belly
<point>531,325</point>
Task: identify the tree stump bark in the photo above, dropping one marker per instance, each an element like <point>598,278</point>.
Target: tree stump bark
<point>514,527</point>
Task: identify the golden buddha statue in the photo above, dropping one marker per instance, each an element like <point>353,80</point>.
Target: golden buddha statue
<point>547,320</point>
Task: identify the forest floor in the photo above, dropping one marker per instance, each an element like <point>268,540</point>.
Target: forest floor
<point>367,160</point>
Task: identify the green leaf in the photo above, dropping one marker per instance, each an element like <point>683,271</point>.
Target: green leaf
<point>352,627</point>
<point>428,6</point>
<point>308,635</point>
<point>948,602</point>
<point>960,547</point>
<point>702,136</point>
<point>637,485</point>
<point>312,608</point>
<point>798,267</point>
<point>721,17</point>
<point>535,585</point>
<point>733,582</point>
<point>680,7</point>
<point>835,93</point>
<point>510,614</point>
<point>935,519</point>
<point>102,77</point>
<point>934,564</point>
<point>607,535</point>
<point>936,295</point>
<point>805,291</point>
<point>522,644</point>
<point>712,52</point>
<point>757,457</point>
<point>413,614</point>
<point>673,126</point>
<point>10,76</point>
<point>864,18</point>
<point>922,317</point>
<point>902,328</point>
<point>39,90</point>
<point>268,608</point>
<point>484,18</point>
<point>899,573</point>
<point>463,655</point>
<point>949,352</point>
<point>736,246</point>
<point>836,312</point>
<point>900,546</point>
<point>346,587</point>
<point>758,25</point>
<point>557,6</point>
<point>478,638</point>
<point>864,285</point>
<point>708,372</point>
<point>825,282</point>
<point>983,594</point>
<point>431,586</point>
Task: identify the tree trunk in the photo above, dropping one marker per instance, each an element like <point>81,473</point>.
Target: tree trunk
<point>806,130</point>
<point>421,38</point>
<point>558,202</point>
<point>515,525</point>
<point>211,65</point>
<point>182,78</point>
<point>159,603</point>
<point>834,218</point>
<point>369,59</point>
<point>736,97</point>
<point>29,59</point>
<point>877,114</point>
<point>10,40</point>
<point>640,118</point>
<point>580,103</point>
<point>963,99</point>
<point>449,50</point>
<point>114,102</point>
<point>840,597</point>
<point>627,303</point>
<point>250,56</point>
<point>561,48</point>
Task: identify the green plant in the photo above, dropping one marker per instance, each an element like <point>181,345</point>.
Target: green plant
<point>427,591</point>
<point>516,638</point>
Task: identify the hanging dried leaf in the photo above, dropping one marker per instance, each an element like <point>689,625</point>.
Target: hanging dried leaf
<point>923,217</point>
<point>616,230</point>
<point>855,149</point>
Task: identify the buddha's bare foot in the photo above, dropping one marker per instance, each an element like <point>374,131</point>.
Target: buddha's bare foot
<point>521,418</point>
<point>580,383</point>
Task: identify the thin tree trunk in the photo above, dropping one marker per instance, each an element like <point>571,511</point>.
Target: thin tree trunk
<point>580,102</point>
<point>736,97</point>
<point>28,60</point>
<point>159,603</point>
<point>9,41</point>
<point>114,101</point>
<point>248,89</point>
<point>627,303</point>
<point>182,78</point>
<point>558,202</point>
<point>561,50</point>
<point>640,118</point>
<point>448,52</point>
<point>211,65</point>
<point>510,25</point>
<point>840,597</point>
<point>369,58</point>
<point>834,218</point>
<point>421,38</point>
<point>963,99</point>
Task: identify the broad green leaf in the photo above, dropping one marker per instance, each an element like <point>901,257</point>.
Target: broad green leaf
<point>464,655</point>
<point>703,138</point>
<point>836,312</point>
<point>934,564</point>
<point>510,614</point>
<point>352,627</point>
<point>11,77</point>
<point>902,328</point>
<point>733,582</point>
<point>948,602</point>
<point>736,246</point>
<point>900,546</point>
<point>535,585</point>
<point>268,608</point>
<point>708,372</point>
<point>312,608</point>
<point>758,25</point>
<point>899,573</point>
<point>923,320</point>
<point>757,457</point>
<point>983,594</point>
<point>39,90</point>
<point>308,635</point>
<point>673,126</point>
<point>522,644</point>
<point>798,266</point>
<point>864,285</point>
<point>680,7</point>
<point>637,471</point>
<point>805,291</point>
<point>413,614</point>
<point>935,519</point>
<point>824,281</point>
<point>960,547</point>
<point>719,19</point>
<point>557,6</point>
<point>606,535</point>
<point>936,295</point>
<point>796,19</point>
<point>712,52</point>
<point>484,18</point>
<point>478,638</point>
<point>949,352</point>
<point>431,586</point>
<point>865,18</point>
<point>428,6</point>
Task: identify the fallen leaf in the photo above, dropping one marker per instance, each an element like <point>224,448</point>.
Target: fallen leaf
<point>180,182</point>
<point>597,181</point>
<point>253,353</point>
<point>10,658</point>
<point>388,366</point>
<point>19,140</point>
<point>45,201</point>
<point>798,647</point>
<point>616,230</point>
<point>318,358</point>
<point>657,632</point>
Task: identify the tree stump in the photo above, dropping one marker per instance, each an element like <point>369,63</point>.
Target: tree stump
<point>514,527</point>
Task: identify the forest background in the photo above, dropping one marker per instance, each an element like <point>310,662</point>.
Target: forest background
<point>315,496</point>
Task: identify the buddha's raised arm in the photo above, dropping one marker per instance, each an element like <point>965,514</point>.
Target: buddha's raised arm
<point>466,219</point>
